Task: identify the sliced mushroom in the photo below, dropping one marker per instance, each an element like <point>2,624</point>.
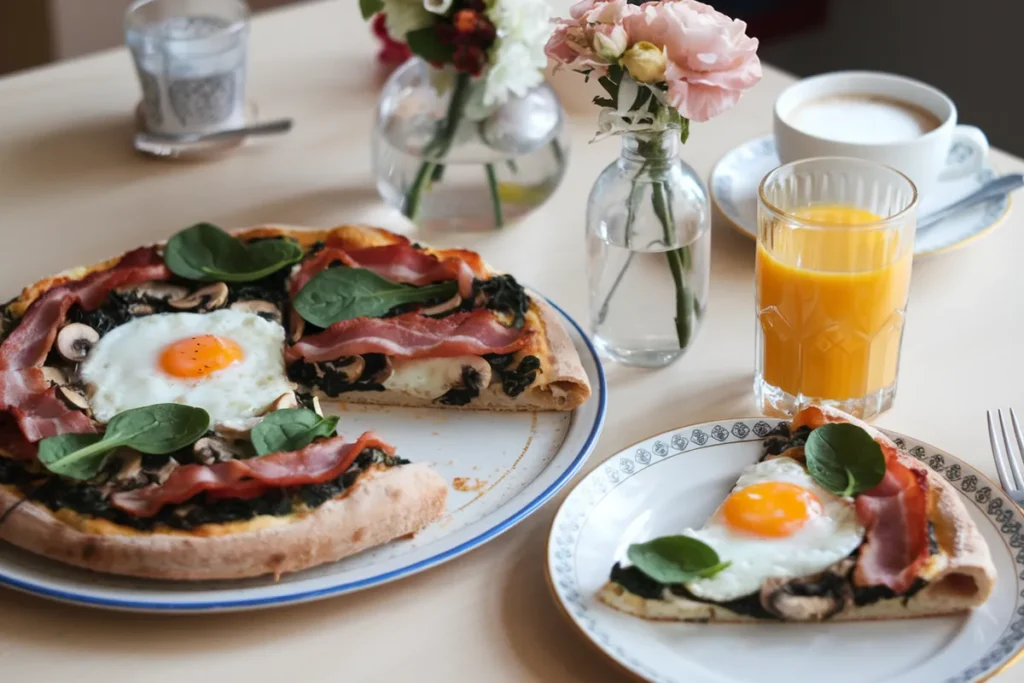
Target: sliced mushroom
<point>285,401</point>
<point>316,406</point>
<point>470,370</point>
<point>75,340</point>
<point>130,474</point>
<point>159,476</point>
<point>264,309</point>
<point>210,449</point>
<point>54,375</point>
<point>811,598</point>
<point>349,368</point>
<point>298,326</point>
<point>237,430</point>
<point>444,306</point>
<point>162,291</point>
<point>206,298</point>
<point>139,310</point>
<point>73,397</point>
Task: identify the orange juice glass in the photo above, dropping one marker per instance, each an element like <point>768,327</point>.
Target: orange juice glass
<point>835,245</point>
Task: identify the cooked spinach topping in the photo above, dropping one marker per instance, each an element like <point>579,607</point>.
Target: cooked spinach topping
<point>57,493</point>
<point>118,309</point>
<point>272,288</point>
<point>206,253</point>
<point>636,582</point>
<point>464,393</point>
<point>779,440</point>
<point>514,380</point>
<point>330,378</point>
<point>501,294</point>
<point>7,319</point>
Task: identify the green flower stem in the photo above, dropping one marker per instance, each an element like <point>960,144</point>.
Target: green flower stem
<point>492,182</point>
<point>431,171</point>
<point>677,263</point>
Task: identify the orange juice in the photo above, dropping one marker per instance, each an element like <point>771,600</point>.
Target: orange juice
<point>831,303</point>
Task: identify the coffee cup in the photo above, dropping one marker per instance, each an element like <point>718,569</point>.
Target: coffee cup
<point>890,119</point>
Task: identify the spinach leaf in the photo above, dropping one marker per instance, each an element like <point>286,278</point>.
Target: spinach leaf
<point>156,429</point>
<point>675,559</point>
<point>290,429</point>
<point>338,294</point>
<point>204,252</point>
<point>370,7</point>
<point>844,459</point>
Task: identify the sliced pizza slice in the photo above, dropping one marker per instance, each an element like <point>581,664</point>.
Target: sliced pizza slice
<point>378,319</point>
<point>834,522</point>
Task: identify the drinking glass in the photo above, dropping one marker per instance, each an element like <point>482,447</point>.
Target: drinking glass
<point>835,244</point>
<point>190,56</point>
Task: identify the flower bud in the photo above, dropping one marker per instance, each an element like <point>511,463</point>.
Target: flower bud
<point>609,45</point>
<point>645,62</point>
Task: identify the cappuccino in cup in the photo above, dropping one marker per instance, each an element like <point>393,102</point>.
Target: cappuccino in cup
<point>889,119</point>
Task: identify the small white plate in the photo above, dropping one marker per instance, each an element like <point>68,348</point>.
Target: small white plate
<point>501,467</point>
<point>737,175</point>
<point>675,480</point>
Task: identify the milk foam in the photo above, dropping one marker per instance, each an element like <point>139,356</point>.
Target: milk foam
<point>862,119</point>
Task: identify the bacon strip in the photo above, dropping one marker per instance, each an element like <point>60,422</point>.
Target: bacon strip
<point>894,513</point>
<point>24,393</point>
<point>316,463</point>
<point>411,335</point>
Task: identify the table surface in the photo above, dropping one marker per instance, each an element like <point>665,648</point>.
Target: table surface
<point>72,192</point>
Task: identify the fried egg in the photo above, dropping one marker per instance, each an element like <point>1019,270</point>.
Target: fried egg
<point>230,363</point>
<point>776,522</point>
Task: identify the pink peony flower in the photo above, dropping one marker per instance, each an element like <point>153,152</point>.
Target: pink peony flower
<point>585,40</point>
<point>711,60</point>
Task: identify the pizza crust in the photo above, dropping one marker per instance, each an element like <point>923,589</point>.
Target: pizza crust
<point>383,505</point>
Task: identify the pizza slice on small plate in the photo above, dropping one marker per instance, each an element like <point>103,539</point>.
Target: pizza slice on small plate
<point>833,523</point>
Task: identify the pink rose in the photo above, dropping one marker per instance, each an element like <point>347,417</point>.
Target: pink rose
<point>590,37</point>
<point>711,59</point>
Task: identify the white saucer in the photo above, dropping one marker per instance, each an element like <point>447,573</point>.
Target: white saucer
<point>675,480</point>
<point>736,176</point>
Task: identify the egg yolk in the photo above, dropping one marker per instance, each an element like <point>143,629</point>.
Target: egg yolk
<point>770,508</point>
<point>200,356</point>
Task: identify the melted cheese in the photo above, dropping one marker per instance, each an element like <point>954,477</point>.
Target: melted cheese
<point>428,377</point>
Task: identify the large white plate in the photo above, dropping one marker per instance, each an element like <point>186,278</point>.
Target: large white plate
<point>500,467</point>
<point>735,179</point>
<point>675,480</point>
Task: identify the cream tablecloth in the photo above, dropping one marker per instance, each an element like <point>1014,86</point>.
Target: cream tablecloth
<point>72,192</point>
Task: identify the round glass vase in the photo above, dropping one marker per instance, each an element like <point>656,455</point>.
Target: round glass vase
<point>446,161</point>
<point>648,243</point>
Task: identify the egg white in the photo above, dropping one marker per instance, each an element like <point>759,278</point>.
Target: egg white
<point>122,370</point>
<point>821,542</point>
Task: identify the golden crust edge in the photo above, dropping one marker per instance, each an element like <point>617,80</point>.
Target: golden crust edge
<point>382,506</point>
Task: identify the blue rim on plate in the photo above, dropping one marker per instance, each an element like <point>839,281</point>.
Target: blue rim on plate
<point>439,558</point>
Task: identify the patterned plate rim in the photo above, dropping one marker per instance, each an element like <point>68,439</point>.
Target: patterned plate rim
<point>735,225</point>
<point>1006,517</point>
<point>513,518</point>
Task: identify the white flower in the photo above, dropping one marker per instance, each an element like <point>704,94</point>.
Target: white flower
<point>438,6</point>
<point>516,60</point>
<point>403,16</point>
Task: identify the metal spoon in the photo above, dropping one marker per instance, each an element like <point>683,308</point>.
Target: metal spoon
<point>997,187</point>
<point>266,128</point>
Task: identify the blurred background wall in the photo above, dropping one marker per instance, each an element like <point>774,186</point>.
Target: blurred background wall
<point>966,49</point>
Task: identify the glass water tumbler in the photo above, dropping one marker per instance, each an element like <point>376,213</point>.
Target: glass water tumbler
<point>835,245</point>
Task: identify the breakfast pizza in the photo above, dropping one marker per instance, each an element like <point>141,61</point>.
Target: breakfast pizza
<point>833,523</point>
<point>160,412</point>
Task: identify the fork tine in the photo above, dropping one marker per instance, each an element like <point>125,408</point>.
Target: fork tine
<point>998,456</point>
<point>1011,455</point>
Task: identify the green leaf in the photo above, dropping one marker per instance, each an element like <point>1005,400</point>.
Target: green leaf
<point>684,129</point>
<point>844,459</point>
<point>204,252</point>
<point>675,559</point>
<point>55,453</point>
<point>342,293</point>
<point>156,429</point>
<point>424,43</point>
<point>370,7</point>
<point>290,429</point>
<point>604,102</point>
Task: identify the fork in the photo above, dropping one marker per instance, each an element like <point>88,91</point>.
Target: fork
<point>1006,458</point>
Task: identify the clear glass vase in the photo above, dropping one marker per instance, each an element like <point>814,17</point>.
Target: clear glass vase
<point>446,161</point>
<point>648,242</point>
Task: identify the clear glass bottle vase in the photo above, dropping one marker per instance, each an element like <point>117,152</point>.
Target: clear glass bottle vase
<point>447,161</point>
<point>648,242</point>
